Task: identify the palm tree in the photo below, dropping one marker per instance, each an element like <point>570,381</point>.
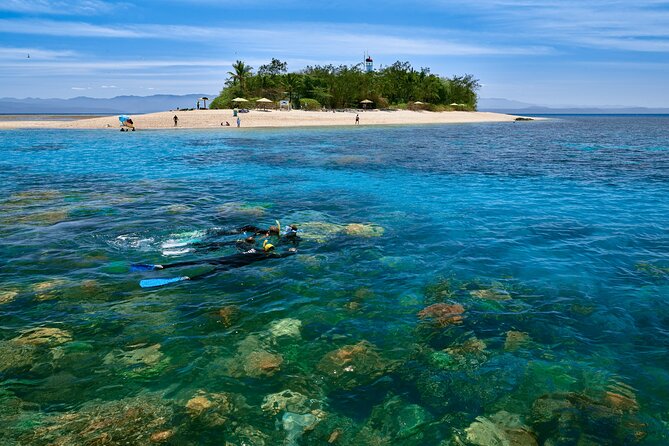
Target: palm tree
<point>291,82</point>
<point>240,74</point>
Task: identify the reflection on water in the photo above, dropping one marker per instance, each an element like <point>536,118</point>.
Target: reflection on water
<point>467,284</point>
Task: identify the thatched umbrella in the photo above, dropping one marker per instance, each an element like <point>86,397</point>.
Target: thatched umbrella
<point>264,102</point>
<point>365,102</point>
<point>204,99</point>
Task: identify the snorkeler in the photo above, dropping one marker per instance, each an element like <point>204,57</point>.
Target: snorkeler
<point>220,264</point>
<point>241,245</point>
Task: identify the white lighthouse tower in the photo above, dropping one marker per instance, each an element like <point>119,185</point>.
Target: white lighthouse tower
<point>369,63</point>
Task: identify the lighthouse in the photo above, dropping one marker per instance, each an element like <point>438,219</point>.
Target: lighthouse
<point>369,64</point>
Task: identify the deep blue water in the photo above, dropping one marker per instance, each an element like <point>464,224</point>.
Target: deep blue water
<point>557,230</point>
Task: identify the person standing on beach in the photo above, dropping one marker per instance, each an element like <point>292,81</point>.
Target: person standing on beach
<point>239,121</point>
<point>357,119</point>
<point>176,120</point>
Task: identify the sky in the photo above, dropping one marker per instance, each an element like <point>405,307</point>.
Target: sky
<point>551,52</point>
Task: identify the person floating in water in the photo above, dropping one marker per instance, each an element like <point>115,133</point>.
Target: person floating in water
<point>220,264</point>
<point>241,245</point>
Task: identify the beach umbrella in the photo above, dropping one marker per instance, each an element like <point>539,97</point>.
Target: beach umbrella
<point>365,102</point>
<point>419,103</point>
<point>264,102</point>
<point>204,99</point>
<point>239,100</point>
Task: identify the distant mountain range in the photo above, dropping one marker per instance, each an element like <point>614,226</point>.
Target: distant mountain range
<point>500,105</point>
<point>162,102</point>
<point>83,104</point>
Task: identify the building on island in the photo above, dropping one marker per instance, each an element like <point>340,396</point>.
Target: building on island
<point>369,63</point>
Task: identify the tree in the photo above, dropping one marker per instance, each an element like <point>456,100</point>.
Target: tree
<point>274,68</point>
<point>462,89</point>
<point>240,74</point>
<point>291,82</point>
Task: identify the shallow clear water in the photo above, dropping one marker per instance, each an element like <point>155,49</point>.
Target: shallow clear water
<point>556,232</point>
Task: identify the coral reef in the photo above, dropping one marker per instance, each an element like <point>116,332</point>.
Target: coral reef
<point>354,365</point>
<point>442,314</point>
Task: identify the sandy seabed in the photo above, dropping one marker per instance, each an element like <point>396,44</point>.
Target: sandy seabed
<point>209,119</point>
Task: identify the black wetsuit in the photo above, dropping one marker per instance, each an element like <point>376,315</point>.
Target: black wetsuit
<point>240,245</point>
<point>231,261</point>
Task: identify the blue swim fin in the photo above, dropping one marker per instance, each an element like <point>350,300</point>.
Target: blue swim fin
<point>143,267</point>
<point>151,283</point>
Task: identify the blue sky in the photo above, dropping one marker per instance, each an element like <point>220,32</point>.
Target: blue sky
<point>568,52</point>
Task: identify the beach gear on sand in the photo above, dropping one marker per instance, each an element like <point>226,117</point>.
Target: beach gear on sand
<point>126,121</point>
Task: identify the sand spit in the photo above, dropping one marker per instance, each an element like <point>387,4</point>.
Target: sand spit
<point>209,119</point>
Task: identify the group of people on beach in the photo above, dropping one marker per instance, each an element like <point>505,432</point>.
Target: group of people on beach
<point>247,249</point>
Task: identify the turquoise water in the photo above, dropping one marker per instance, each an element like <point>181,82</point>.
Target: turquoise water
<point>547,244</point>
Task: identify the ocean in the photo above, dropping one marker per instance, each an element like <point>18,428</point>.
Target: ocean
<point>475,284</point>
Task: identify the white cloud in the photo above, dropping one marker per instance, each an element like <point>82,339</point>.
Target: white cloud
<point>638,26</point>
<point>67,29</point>
<point>70,7</point>
<point>328,39</point>
<point>36,54</point>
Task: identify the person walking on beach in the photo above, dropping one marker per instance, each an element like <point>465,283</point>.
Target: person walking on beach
<point>176,120</point>
<point>357,119</point>
<point>239,121</point>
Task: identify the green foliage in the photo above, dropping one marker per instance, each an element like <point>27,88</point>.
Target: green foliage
<point>343,86</point>
<point>309,104</point>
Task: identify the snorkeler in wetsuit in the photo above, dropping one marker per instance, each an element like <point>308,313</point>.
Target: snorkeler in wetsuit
<point>289,235</point>
<point>241,245</point>
<point>220,264</point>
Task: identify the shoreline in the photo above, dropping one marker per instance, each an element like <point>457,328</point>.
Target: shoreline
<point>212,119</point>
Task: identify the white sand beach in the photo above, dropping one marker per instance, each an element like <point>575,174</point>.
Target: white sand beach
<point>209,119</point>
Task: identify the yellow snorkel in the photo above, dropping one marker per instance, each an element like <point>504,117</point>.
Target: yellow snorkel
<point>267,246</point>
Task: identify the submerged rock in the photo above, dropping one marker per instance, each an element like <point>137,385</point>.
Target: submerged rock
<point>442,314</point>
<point>44,336</point>
<point>296,424</point>
<point>397,419</point>
<point>515,340</point>
<point>242,209</point>
<point>501,429</point>
<point>491,294</point>
<point>176,208</point>
<point>285,400</point>
<point>14,355</point>
<point>364,230</point>
<point>353,365</point>
<point>132,420</point>
<point>262,363</point>
<point>139,362</point>
<point>573,418</point>
<point>6,296</point>
<point>48,289</point>
<point>253,359</point>
<point>212,409</point>
<point>45,218</point>
<point>319,231</point>
<point>285,327</point>
<point>229,315</point>
<point>162,436</point>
